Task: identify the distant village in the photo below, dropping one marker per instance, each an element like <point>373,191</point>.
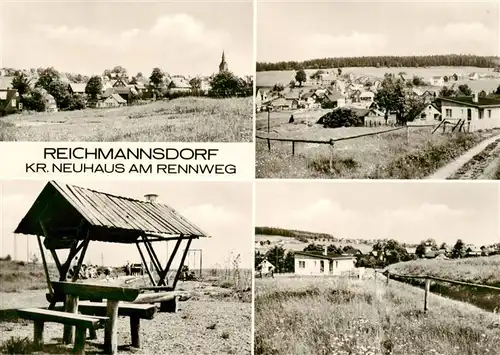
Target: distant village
<point>429,100</point>
<point>47,90</point>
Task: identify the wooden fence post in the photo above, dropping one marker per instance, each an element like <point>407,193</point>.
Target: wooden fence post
<point>407,134</point>
<point>268,144</point>
<point>293,147</point>
<point>388,278</point>
<point>426,295</point>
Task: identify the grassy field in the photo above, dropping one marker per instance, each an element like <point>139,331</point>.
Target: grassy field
<point>382,156</point>
<point>179,120</point>
<point>480,270</point>
<point>360,317</point>
<point>269,78</point>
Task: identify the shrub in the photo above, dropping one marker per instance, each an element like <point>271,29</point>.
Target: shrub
<point>17,345</point>
<point>343,117</point>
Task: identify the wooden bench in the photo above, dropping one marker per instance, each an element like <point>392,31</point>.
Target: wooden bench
<point>136,312</point>
<point>82,323</point>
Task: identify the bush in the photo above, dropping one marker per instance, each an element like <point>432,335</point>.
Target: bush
<point>17,345</point>
<point>342,117</point>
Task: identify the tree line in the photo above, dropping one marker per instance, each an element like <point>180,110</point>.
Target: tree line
<point>455,60</point>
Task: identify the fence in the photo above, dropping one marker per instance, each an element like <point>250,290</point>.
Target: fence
<point>429,279</point>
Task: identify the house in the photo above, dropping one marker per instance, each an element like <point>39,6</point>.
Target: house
<point>113,100</point>
<point>367,97</point>
<point>328,79</point>
<point>352,252</point>
<point>322,264</point>
<point>6,82</point>
<point>474,76</point>
<point>260,98</point>
<point>308,99</point>
<point>179,84</point>
<point>436,81</point>
<point>265,267</point>
<point>9,101</point>
<point>334,99</point>
<point>479,112</point>
<point>279,103</point>
<point>292,99</point>
<point>431,114</point>
<point>428,96</point>
<point>119,83</point>
<point>50,101</point>
<point>76,89</point>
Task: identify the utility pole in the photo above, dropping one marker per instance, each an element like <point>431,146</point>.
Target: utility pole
<point>102,259</point>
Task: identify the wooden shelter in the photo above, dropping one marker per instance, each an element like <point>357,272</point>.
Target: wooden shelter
<point>70,217</point>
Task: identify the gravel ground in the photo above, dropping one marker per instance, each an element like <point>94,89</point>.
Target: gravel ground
<point>212,321</point>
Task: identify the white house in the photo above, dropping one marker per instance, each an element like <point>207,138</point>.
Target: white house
<point>479,112</point>
<point>367,98</point>
<point>436,81</point>
<point>113,100</point>
<point>322,264</point>
<point>430,114</point>
<point>265,267</point>
<point>474,76</point>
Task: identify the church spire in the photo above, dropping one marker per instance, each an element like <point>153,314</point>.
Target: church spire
<point>223,64</point>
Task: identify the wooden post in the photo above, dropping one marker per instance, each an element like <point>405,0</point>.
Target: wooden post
<point>268,144</point>
<point>268,122</point>
<point>110,332</point>
<point>169,262</point>
<point>70,307</point>
<point>151,278</point>
<point>135,330</point>
<point>331,157</point>
<point>426,295</point>
<point>45,268</point>
<point>182,263</point>
<point>407,134</point>
<point>388,278</point>
<point>80,261</point>
<point>38,338</point>
<point>293,147</point>
<point>170,306</point>
<point>79,347</point>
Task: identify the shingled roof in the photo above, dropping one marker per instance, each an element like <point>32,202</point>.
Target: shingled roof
<point>66,210</point>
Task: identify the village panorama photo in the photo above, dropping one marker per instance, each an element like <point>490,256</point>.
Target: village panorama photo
<point>376,268</point>
<point>127,71</point>
<point>378,90</point>
<point>127,267</point>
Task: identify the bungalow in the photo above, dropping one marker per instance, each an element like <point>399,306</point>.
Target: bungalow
<point>9,101</point>
<point>322,264</point>
<point>436,81</point>
<point>480,112</point>
<point>279,103</point>
<point>113,100</point>
<point>265,267</point>
<point>430,114</point>
<point>292,99</point>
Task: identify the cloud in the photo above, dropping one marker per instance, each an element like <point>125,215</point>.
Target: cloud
<point>179,29</point>
<point>354,44</point>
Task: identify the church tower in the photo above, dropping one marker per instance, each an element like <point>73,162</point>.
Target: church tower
<point>223,63</point>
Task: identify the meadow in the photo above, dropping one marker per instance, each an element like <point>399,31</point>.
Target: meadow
<point>269,78</point>
<point>318,315</point>
<point>481,270</point>
<point>180,120</point>
<point>392,155</point>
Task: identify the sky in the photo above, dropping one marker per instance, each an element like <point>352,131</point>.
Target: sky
<point>406,211</point>
<point>184,38</point>
<point>308,30</point>
<point>221,209</point>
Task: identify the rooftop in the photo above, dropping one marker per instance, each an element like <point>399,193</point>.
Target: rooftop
<point>468,101</point>
<point>322,256</point>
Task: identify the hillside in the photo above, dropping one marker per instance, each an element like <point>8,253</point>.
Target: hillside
<point>482,270</point>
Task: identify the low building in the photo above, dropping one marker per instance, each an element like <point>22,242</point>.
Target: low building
<point>436,81</point>
<point>265,267</point>
<point>479,112</point>
<point>9,101</point>
<point>113,100</point>
<point>322,264</point>
<point>431,114</point>
<point>76,89</point>
<point>334,100</point>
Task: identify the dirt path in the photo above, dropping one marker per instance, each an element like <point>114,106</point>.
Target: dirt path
<point>479,162</point>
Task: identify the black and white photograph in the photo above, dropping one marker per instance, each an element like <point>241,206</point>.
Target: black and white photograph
<point>146,268</point>
<point>378,90</point>
<point>127,71</point>
<point>376,268</point>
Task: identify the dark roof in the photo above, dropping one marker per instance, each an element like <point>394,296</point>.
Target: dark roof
<point>66,210</point>
<point>322,256</point>
<point>467,100</point>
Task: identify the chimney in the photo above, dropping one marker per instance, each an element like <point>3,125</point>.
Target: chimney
<point>151,197</point>
<point>475,97</point>
<point>325,250</point>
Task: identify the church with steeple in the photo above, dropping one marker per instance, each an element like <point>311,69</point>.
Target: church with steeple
<point>223,64</point>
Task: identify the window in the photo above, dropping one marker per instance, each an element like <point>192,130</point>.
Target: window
<point>302,264</point>
<point>489,113</point>
<point>448,112</point>
<point>13,102</point>
<point>336,264</point>
<point>481,114</point>
<point>321,266</point>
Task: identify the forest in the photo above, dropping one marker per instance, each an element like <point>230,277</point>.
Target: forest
<point>452,60</point>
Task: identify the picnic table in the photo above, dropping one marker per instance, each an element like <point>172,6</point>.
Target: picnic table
<point>112,294</point>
